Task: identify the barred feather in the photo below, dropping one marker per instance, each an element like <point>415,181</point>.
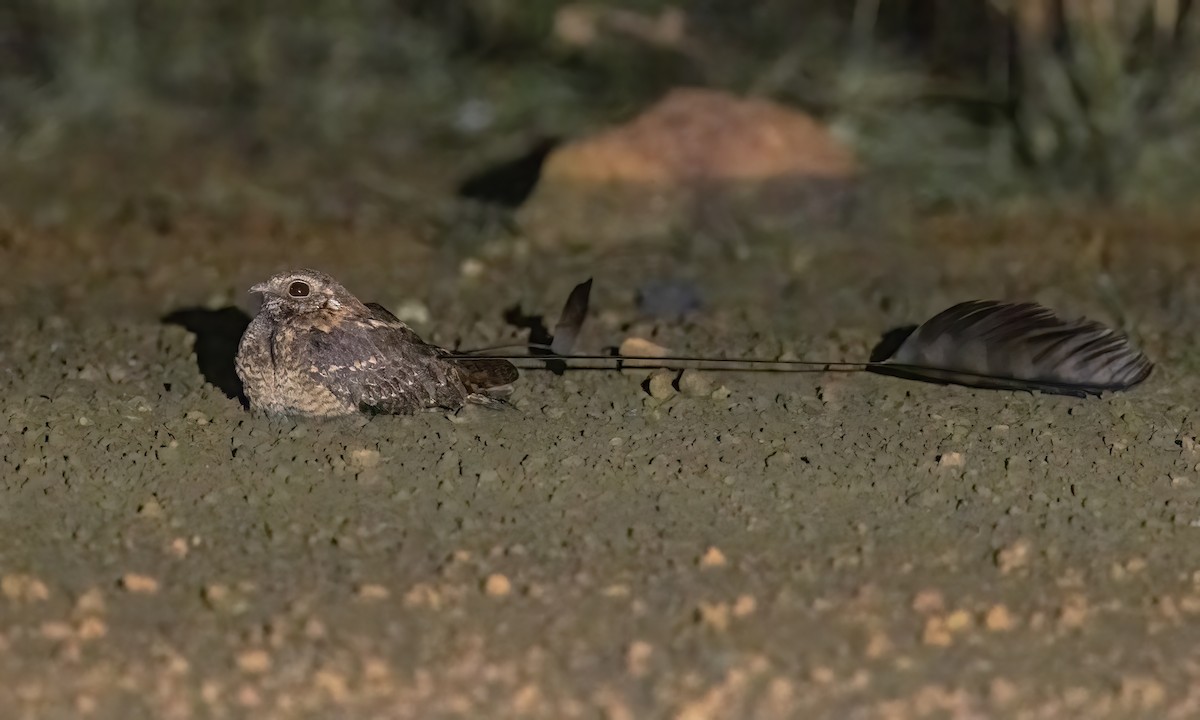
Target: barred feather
<point>994,344</point>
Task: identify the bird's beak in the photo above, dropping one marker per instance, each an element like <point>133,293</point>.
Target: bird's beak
<point>260,288</point>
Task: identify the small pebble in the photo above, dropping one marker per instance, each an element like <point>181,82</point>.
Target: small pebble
<point>999,619</point>
<point>151,509</point>
<point>25,588</point>
<point>140,584</point>
<point>497,585</point>
<point>1013,557</point>
<point>951,460</point>
<point>254,661</point>
<point>364,458</point>
<point>713,557</point>
<point>936,634</point>
<point>90,602</point>
<point>616,591</point>
<point>371,592</point>
<point>423,595</point>
<point>92,628</point>
<point>637,657</point>
<point>695,383</point>
<point>958,620</point>
<point>472,268</point>
<point>744,605</point>
<point>178,548</point>
<point>637,347</point>
<point>661,384</point>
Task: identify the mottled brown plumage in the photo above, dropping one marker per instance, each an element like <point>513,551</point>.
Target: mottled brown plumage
<point>314,349</point>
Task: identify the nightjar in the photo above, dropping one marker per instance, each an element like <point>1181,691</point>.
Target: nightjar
<point>314,349</point>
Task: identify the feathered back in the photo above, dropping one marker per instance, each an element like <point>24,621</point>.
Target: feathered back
<point>996,344</point>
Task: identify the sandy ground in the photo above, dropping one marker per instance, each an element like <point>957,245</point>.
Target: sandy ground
<point>843,546</point>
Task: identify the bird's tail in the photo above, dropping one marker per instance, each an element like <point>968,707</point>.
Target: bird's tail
<point>486,375</point>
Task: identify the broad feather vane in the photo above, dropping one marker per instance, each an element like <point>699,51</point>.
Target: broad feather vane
<point>1017,346</point>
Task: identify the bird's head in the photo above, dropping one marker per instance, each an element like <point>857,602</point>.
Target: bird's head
<point>303,291</point>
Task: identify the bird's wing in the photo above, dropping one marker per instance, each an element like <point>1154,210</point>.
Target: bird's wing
<point>485,375</point>
<point>380,365</point>
<point>479,376</point>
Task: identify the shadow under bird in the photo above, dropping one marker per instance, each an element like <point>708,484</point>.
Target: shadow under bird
<point>316,350</point>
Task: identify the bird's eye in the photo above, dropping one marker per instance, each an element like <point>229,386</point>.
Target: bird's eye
<point>298,289</point>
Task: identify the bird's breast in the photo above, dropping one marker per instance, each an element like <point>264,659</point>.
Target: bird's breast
<point>275,370</point>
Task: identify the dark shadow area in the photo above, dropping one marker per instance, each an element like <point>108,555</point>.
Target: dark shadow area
<point>509,183</point>
<point>669,299</point>
<point>890,342</point>
<point>539,334</point>
<point>218,333</point>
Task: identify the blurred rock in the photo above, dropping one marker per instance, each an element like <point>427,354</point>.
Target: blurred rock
<point>668,299</point>
<point>692,161</point>
<point>697,134</point>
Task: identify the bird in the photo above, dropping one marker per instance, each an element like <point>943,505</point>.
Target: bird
<point>316,350</point>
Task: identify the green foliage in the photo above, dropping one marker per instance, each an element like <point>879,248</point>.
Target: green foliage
<point>973,97</point>
<point>1103,87</point>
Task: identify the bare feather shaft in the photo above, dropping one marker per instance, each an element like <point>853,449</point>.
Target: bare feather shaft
<point>981,343</point>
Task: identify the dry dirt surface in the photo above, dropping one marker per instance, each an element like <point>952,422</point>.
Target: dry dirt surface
<point>751,546</point>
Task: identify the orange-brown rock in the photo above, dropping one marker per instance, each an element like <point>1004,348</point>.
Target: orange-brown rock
<point>691,162</point>
<point>695,134</point>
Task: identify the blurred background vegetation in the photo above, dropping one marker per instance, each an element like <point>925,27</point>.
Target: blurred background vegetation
<point>971,98</point>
